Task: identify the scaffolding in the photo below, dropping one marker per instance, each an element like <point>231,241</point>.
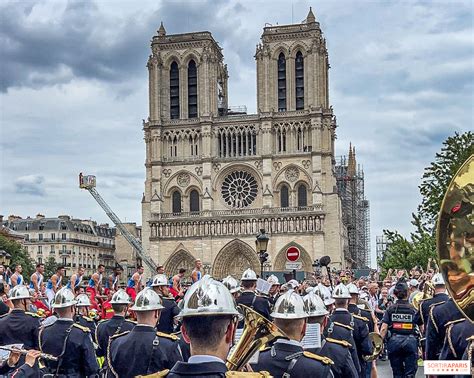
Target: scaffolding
<point>355,209</point>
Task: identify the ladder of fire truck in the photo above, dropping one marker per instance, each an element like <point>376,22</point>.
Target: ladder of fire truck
<point>90,187</point>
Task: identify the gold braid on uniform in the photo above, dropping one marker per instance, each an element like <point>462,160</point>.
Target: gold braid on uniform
<point>450,342</point>
<point>344,325</point>
<point>324,360</point>
<point>361,317</point>
<point>340,342</point>
<point>109,360</point>
<point>432,318</point>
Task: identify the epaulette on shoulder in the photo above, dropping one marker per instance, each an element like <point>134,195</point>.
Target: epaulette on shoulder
<point>344,325</point>
<point>344,343</point>
<point>119,334</point>
<point>437,304</point>
<point>454,321</point>
<point>317,357</point>
<point>32,314</point>
<point>88,319</point>
<point>361,317</point>
<point>131,321</point>
<point>82,328</point>
<point>265,349</point>
<point>167,335</point>
<point>244,374</point>
<point>162,373</point>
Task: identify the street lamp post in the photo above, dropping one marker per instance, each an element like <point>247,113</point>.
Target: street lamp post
<point>261,245</point>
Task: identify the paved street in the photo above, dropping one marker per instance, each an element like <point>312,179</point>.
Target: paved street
<point>384,370</point>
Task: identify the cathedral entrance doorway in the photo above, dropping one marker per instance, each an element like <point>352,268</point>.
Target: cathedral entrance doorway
<point>234,258</point>
<point>179,259</point>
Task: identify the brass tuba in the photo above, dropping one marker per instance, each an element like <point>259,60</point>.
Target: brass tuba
<point>455,238</point>
<point>257,332</point>
<point>377,343</point>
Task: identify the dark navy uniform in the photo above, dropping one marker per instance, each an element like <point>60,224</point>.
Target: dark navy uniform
<point>20,327</point>
<point>356,310</point>
<point>339,352</point>
<point>455,343</point>
<point>72,343</point>
<point>427,303</point>
<point>184,347</point>
<point>286,356</point>
<point>439,315</point>
<point>402,347</point>
<point>85,321</point>
<point>166,322</point>
<point>109,327</point>
<point>255,302</point>
<point>141,351</point>
<point>212,369</point>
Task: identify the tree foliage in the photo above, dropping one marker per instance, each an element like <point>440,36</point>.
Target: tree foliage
<point>50,266</point>
<point>403,253</point>
<point>18,255</point>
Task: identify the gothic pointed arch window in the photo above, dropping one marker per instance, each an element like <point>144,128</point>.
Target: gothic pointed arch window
<point>284,196</point>
<point>281,83</point>
<point>302,195</point>
<point>174,91</point>
<point>194,200</point>
<point>299,80</point>
<point>176,201</point>
<point>192,90</point>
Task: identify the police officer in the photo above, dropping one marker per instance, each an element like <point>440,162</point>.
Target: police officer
<point>456,341</point>
<point>402,346</point>
<point>248,282</point>
<point>440,314</point>
<point>337,350</point>
<point>233,285</point>
<point>438,297</point>
<point>82,318</point>
<point>143,350</point>
<point>69,341</point>
<point>349,327</point>
<point>108,327</point>
<point>20,326</point>
<point>286,357</point>
<point>170,308</point>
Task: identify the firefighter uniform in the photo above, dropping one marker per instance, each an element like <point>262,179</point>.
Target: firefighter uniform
<point>402,345</point>
<point>456,341</point>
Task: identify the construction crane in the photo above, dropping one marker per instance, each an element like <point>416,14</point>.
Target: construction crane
<point>89,182</point>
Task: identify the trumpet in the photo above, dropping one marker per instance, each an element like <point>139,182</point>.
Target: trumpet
<point>25,351</point>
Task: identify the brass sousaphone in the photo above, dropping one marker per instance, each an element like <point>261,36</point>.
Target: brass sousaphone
<point>455,238</point>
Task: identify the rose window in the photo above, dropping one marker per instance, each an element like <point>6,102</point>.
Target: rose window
<point>239,189</point>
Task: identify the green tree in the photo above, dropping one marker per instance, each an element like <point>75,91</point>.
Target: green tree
<point>403,253</point>
<point>18,256</point>
<point>50,266</point>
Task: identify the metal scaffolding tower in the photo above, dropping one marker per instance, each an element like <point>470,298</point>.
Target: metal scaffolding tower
<point>355,209</point>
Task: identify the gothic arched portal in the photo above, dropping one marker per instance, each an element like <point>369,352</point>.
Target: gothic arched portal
<point>280,260</point>
<point>177,260</point>
<point>235,257</point>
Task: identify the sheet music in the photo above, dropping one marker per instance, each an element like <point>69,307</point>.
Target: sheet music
<point>263,286</point>
<point>312,338</point>
<point>238,335</point>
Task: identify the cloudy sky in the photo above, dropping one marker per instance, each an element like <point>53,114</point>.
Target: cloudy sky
<point>73,90</point>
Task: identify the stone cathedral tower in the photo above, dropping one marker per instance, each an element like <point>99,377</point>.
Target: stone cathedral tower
<point>215,177</point>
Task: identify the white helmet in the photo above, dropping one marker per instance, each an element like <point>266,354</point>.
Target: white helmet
<point>249,275</point>
<point>438,279</point>
<point>232,284</point>
<point>64,298</point>
<point>208,297</point>
<point>83,300</point>
<point>341,292</point>
<point>294,284</point>
<point>147,300</point>
<point>160,280</point>
<point>120,297</point>
<point>353,289</point>
<point>19,292</point>
<point>289,306</point>
<point>273,280</point>
<point>314,305</point>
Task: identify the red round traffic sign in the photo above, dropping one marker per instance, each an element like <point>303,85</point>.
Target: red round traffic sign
<point>292,254</point>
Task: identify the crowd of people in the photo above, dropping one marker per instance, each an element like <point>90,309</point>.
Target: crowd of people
<point>182,325</point>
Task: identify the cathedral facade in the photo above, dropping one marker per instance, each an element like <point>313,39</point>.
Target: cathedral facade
<point>215,177</point>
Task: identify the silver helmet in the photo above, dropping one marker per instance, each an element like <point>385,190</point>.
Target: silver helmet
<point>64,298</point>
<point>341,292</point>
<point>160,280</point>
<point>273,280</point>
<point>19,292</point>
<point>314,305</point>
<point>438,279</point>
<point>208,297</point>
<point>289,306</point>
<point>232,284</point>
<point>353,289</point>
<point>147,300</point>
<point>120,297</point>
<point>83,300</point>
<point>249,275</point>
